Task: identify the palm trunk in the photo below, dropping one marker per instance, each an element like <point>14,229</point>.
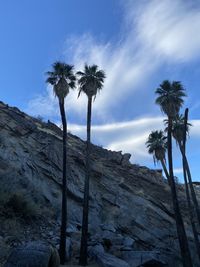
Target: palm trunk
<point>183,243</point>
<point>165,169</point>
<point>193,194</point>
<point>190,206</point>
<point>84,236</point>
<point>191,213</point>
<point>62,250</point>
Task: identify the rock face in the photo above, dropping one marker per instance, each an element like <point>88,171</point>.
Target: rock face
<point>33,254</point>
<point>130,206</point>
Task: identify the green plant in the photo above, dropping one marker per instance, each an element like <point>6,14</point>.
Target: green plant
<point>107,244</point>
<point>19,204</point>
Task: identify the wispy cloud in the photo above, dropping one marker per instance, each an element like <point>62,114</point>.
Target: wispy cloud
<point>153,33</point>
<point>128,137</point>
<point>170,29</point>
<point>178,171</point>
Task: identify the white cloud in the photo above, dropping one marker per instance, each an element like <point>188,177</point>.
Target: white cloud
<point>124,67</point>
<point>195,128</point>
<point>43,105</point>
<point>152,32</point>
<point>170,29</point>
<point>128,137</point>
<point>178,170</point>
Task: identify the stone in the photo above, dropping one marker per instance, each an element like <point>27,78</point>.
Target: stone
<point>128,243</point>
<point>143,258</point>
<point>68,248</point>
<point>125,159</point>
<point>105,259</point>
<point>126,200</point>
<point>108,227</point>
<point>33,254</point>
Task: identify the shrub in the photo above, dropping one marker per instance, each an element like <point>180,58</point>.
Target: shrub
<point>21,205</point>
<point>107,244</point>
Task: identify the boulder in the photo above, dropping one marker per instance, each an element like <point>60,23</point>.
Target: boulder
<point>104,259</point>
<point>143,258</point>
<point>33,254</point>
<point>125,159</point>
<point>68,248</point>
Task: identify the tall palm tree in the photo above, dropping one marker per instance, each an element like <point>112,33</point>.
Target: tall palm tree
<point>178,130</point>
<point>90,82</point>
<point>157,145</point>
<point>195,233</point>
<point>170,99</point>
<point>62,78</point>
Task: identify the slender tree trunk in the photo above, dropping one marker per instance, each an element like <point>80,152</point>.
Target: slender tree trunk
<point>165,169</point>
<point>84,236</point>
<point>185,253</point>
<point>62,250</point>
<point>191,213</point>
<point>190,206</point>
<point>193,194</point>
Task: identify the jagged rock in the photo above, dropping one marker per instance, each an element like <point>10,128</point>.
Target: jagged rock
<point>144,258</point>
<point>108,227</point>
<point>125,159</point>
<point>68,248</point>
<point>105,259</point>
<point>128,244</point>
<point>134,201</point>
<point>35,254</point>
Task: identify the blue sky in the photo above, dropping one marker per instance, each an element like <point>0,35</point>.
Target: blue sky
<point>137,43</point>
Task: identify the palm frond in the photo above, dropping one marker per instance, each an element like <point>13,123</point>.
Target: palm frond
<point>62,78</point>
<point>157,145</point>
<point>170,97</point>
<point>91,80</point>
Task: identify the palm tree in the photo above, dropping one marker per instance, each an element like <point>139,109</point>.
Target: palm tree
<point>157,145</point>
<point>180,129</point>
<point>62,79</point>
<point>90,82</point>
<point>170,99</point>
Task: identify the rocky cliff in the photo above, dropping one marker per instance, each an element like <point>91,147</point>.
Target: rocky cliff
<point>131,222</point>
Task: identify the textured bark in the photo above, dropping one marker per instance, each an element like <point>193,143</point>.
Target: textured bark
<point>191,213</point>
<point>62,250</point>
<point>190,206</point>
<point>183,242</point>
<point>165,169</point>
<point>84,236</point>
<point>193,194</point>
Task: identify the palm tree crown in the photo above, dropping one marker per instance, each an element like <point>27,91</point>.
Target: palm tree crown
<point>62,78</point>
<point>178,128</point>
<point>170,97</point>
<point>157,145</point>
<point>91,80</point>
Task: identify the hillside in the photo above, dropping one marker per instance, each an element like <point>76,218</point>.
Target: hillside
<point>130,206</point>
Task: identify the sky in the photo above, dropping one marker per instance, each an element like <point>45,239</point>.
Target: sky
<point>138,43</point>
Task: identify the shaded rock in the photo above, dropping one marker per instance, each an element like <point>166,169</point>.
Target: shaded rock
<point>126,200</point>
<point>68,248</point>
<point>143,258</point>
<point>125,159</point>
<point>128,243</point>
<point>108,227</point>
<point>33,254</point>
<point>106,259</point>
